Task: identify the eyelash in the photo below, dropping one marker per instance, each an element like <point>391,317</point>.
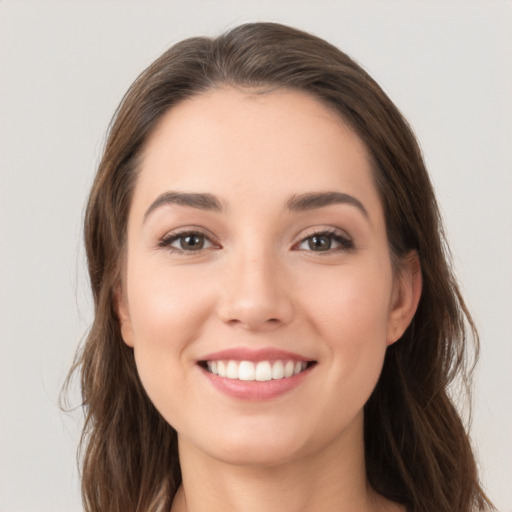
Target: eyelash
<point>346,244</point>
<point>167,241</point>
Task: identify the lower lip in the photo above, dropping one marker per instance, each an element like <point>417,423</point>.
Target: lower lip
<point>256,390</point>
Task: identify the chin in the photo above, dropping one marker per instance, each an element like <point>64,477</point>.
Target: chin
<point>263,453</point>
<point>264,444</point>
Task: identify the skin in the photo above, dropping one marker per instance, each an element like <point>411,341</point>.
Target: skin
<point>257,283</point>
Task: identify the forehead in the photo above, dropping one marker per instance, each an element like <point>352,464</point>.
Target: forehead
<point>243,143</point>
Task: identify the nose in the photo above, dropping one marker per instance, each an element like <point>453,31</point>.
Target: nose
<point>254,293</point>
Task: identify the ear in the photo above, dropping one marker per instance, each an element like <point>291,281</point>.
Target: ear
<point>123,315</point>
<point>406,296</point>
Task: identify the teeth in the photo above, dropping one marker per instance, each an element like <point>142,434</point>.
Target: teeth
<point>221,368</point>
<point>232,370</point>
<point>277,370</point>
<point>288,368</point>
<point>246,370</point>
<point>261,371</point>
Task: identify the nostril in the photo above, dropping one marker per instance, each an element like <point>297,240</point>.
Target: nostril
<point>253,319</point>
<point>254,299</point>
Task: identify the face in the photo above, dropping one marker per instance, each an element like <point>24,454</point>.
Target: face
<point>258,292</point>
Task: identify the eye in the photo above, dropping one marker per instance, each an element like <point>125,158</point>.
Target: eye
<point>186,242</point>
<point>326,241</point>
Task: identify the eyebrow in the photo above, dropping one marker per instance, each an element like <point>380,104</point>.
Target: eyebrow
<point>190,199</point>
<point>297,203</point>
<point>313,200</point>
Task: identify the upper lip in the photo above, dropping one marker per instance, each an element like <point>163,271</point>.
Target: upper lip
<point>254,355</point>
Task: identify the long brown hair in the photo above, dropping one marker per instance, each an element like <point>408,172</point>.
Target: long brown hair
<point>417,450</point>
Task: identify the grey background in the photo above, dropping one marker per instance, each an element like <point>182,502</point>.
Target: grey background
<point>64,66</point>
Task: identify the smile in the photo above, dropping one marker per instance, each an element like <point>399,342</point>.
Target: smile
<point>256,371</point>
<point>255,374</point>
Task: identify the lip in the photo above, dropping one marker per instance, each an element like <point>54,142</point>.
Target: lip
<point>255,390</point>
<point>254,355</point>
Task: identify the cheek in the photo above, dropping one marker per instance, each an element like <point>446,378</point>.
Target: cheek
<point>350,313</point>
<point>351,301</point>
<point>166,306</point>
<point>167,313</point>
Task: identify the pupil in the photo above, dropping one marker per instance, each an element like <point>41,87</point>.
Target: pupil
<point>192,242</point>
<point>320,243</point>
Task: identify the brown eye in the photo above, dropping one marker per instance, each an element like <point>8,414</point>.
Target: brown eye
<point>191,242</point>
<point>186,242</point>
<point>326,241</point>
<point>320,242</point>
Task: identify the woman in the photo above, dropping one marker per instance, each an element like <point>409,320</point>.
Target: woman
<point>276,323</point>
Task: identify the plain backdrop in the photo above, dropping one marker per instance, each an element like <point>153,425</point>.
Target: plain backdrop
<point>64,66</point>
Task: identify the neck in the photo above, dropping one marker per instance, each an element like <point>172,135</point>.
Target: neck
<point>331,479</point>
